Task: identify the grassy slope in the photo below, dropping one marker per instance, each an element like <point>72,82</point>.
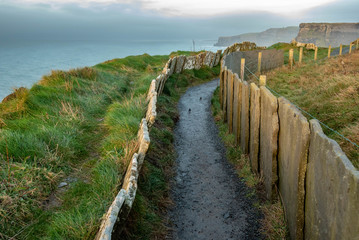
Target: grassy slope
<point>82,123</point>
<point>308,55</point>
<point>147,219</point>
<point>329,91</point>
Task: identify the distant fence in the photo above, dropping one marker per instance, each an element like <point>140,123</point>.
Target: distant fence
<point>254,59</point>
<point>319,186</point>
<point>115,218</point>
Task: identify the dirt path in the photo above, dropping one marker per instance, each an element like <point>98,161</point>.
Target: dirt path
<point>210,200</point>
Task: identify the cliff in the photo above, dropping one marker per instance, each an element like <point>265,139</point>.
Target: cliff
<point>265,38</point>
<point>325,34</point>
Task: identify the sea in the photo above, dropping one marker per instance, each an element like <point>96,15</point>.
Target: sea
<point>23,63</point>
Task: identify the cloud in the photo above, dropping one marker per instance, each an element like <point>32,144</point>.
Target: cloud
<point>125,21</point>
<point>194,8</point>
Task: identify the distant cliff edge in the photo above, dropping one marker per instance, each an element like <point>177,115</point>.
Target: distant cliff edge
<point>325,34</point>
<point>265,38</point>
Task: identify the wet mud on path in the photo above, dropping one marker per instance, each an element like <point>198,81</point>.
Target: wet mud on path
<point>210,200</point>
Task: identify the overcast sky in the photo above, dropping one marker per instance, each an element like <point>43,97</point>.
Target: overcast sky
<point>161,19</point>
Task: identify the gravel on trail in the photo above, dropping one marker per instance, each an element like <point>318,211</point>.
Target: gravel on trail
<point>210,200</point>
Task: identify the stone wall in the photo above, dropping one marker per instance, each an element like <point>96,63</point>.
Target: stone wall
<point>332,190</point>
<point>244,123</point>
<point>317,184</point>
<point>116,216</point>
<point>268,145</point>
<point>255,118</point>
<point>292,164</point>
<point>237,106</point>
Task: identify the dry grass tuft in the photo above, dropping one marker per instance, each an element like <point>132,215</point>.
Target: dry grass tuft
<point>274,224</point>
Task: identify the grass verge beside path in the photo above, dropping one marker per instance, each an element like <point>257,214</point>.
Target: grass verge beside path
<point>79,127</point>
<point>148,219</point>
<point>273,224</point>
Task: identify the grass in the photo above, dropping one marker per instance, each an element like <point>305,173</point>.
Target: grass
<point>80,124</point>
<point>308,54</point>
<point>329,91</point>
<point>273,223</point>
<point>148,219</point>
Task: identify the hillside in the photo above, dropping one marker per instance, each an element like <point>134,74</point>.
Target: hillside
<point>265,38</point>
<point>328,90</point>
<point>65,144</point>
<point>323,34</point>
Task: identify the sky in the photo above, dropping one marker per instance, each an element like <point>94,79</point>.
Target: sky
<point>144,20</point>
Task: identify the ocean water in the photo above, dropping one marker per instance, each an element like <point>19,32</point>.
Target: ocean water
<point>23,63</point>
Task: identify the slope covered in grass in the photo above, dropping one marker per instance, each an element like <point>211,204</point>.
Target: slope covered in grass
<point>79,127</point>
<point>308,54</point>
<point>329,90</point>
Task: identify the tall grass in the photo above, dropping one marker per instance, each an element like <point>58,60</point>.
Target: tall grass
<point>329,91</point>
<point>80,125</point>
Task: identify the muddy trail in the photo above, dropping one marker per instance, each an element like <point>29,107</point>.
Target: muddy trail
<point>210,200</point>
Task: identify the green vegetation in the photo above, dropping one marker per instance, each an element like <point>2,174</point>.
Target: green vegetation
<point>329,91</point>
<point>147,218</point>
<point>79,127</point>
<point>308,54</point>
<point>273,224</point>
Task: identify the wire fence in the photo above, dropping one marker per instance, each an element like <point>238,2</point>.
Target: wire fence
<point>302,110</point>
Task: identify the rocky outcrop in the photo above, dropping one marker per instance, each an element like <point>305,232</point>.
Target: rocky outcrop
<point>244,46</point>
<point>265,38</point>
<point>325,34</point>
<point>310,46</point>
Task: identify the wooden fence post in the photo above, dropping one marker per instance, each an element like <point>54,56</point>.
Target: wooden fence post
<point>357,44</point>
<point>329,49</point>
<point>350,48</point>
<point>259,62</point>
<point>315,53</point>
<point>300,54</point>
<point>291,58</point>
<point>262,80</point>
<point>243,62</point>
<point>340,49</point>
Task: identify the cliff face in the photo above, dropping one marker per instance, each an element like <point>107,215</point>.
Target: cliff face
<point>325,34</point>
<point>266,38</point>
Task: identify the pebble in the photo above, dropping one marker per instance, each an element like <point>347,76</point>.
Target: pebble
<point>62,184</point>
